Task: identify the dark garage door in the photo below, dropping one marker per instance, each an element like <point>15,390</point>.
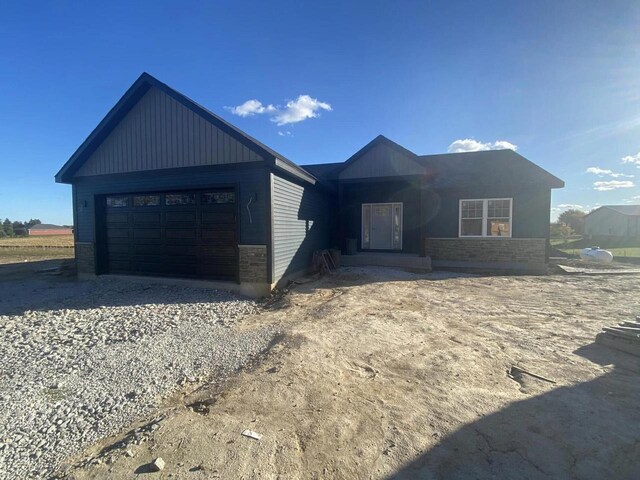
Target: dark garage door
<point>183,234</point>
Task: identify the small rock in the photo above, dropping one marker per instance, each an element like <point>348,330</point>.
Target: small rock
<point>129,453</point>
<point>157,465</point>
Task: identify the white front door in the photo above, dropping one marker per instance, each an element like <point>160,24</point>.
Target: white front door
<point>382,226</point>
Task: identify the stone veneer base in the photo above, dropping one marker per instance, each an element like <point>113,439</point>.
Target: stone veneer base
<point>508,253</point>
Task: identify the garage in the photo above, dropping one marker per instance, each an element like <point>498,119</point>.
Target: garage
<point>164,187</point>
<point>180,234</point>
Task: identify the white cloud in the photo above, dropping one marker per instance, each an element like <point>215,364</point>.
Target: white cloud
<point>570,206</point>
<point>613,185</point>
<point>635,159</point>
<point>294,111</point>
<point>285,133</point>
<point>598,170</point>
<point>250,108</point>
<point>603,171</point>
<point>300,109</point>
<point>472,145</point>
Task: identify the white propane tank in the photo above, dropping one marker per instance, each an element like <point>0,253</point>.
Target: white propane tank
<point>596,255</point>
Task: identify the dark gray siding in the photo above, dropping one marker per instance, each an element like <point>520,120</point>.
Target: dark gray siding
<point>439,212</point>
<point>353,195</point>
<point>159,132</point>
<point>531,207</point>
<point>382,161</point>
<point>301,225</point>
<point>250,179</point>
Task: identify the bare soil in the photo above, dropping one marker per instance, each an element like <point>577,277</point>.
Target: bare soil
<point>387,374</point>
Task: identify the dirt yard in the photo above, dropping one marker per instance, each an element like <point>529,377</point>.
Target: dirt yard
<point>386,374</point>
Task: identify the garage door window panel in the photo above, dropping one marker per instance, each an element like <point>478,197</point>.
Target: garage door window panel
<point>146,200</point>
<point>213,198</point>
<point>118,202</point>
<point>177,199</point>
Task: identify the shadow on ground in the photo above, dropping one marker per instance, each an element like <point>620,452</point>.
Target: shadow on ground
<point>354,276</point>
<point>569,432</point>
<point>22,270</point>
<point>37,286</point>
<point>52,285</point>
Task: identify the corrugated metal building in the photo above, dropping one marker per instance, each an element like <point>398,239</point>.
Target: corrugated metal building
<point>613,222</point>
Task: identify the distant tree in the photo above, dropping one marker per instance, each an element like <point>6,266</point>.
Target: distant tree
<point>7,226</point>
<point>573,218</point>
<point>561,230</point>
<point>2,234</point>
<point>32,222</point>
<point>19,229</point>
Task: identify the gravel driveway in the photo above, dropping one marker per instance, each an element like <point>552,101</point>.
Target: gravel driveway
<point>82,360</point>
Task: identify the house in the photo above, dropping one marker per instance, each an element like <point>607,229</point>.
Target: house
<point>48,229</point>
<point>164,187</point>
<point>613,222</point>
<point>487,209</point>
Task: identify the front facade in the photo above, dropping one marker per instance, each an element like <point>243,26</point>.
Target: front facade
<point>164,187</point>
<point>613,222</point>
<point>478,209</point>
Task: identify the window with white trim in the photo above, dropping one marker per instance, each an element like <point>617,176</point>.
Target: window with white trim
<point>487,217</point>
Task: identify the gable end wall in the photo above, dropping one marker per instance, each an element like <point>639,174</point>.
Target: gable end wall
<point>159,132</point>
<point>381,161</point>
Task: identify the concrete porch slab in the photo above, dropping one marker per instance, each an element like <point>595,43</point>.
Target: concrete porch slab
<point>375,259</point>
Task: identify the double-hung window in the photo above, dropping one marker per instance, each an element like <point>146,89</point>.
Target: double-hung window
<point>487,217</point>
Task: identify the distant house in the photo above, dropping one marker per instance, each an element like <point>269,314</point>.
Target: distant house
<point>613,221</point>
<point>48,229</point>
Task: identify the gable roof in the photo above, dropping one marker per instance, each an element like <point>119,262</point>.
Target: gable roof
<point>131,98</point>
<point>487,167</point>
<point>379,140</point>
<point>325,171</point>
<point>450,170</point>
<point>629,210</point>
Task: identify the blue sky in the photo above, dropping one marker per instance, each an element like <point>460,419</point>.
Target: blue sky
<point>559,80</point>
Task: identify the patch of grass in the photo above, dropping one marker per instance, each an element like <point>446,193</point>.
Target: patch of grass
<point>619,248</point>
<point>555,242</point>
<point>41,241</point>
<point>617,252</point>
<point>33,254</point>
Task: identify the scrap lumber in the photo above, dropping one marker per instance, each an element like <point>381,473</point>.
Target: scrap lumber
<point>624,337</point>
<point>323,261</point>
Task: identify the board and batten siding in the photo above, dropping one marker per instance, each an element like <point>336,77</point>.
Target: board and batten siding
<point>250,181</point>
<point>301,225</point>
<point>159,132</point>
<point>381,161</point>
